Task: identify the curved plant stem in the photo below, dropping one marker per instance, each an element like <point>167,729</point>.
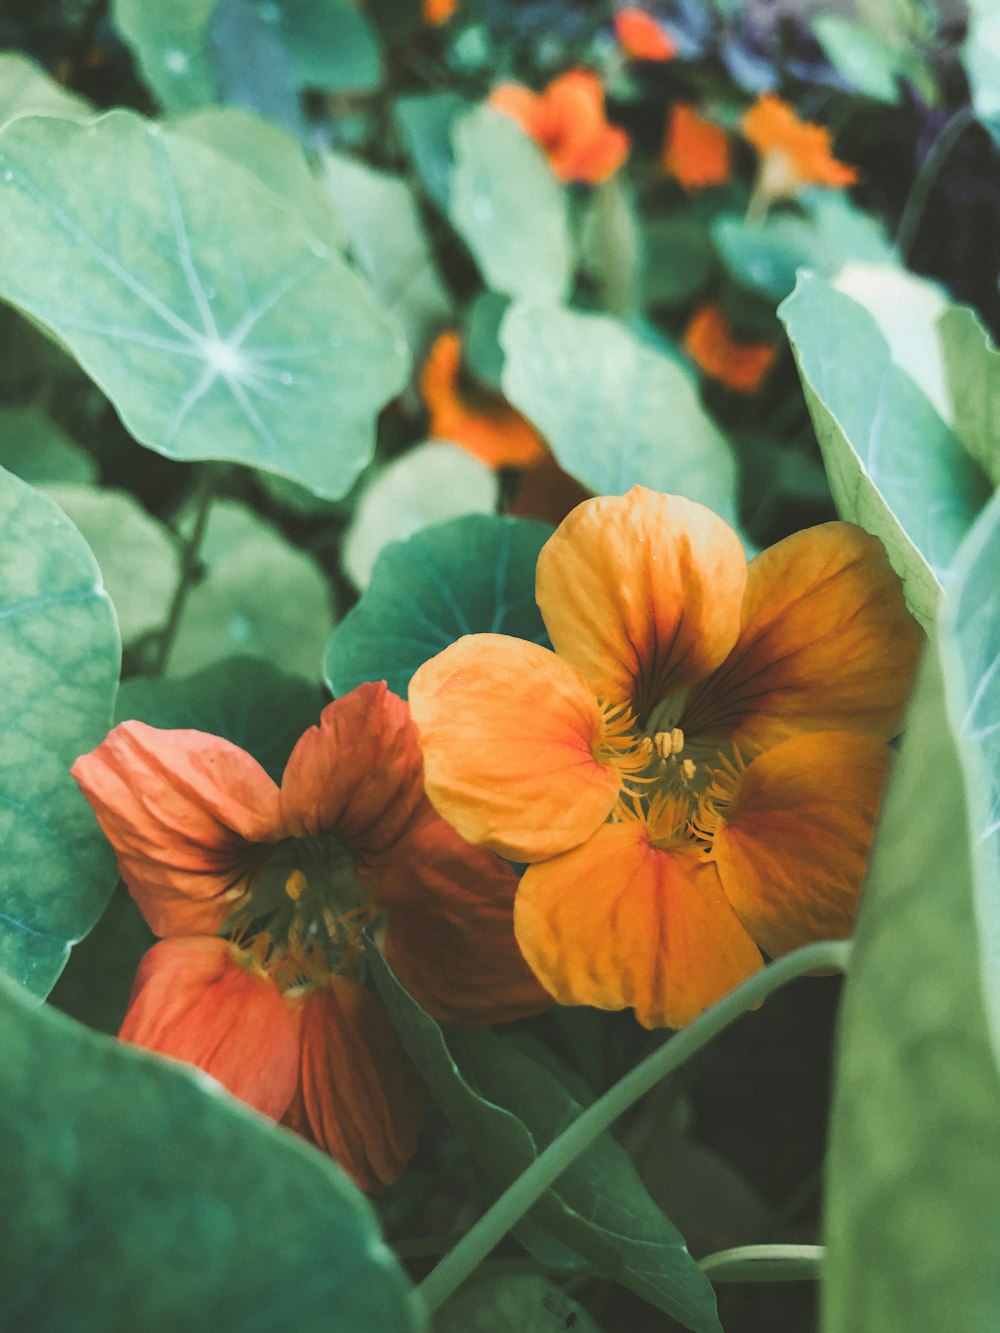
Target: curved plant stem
<point>930,168</point>
<point>764,1263</point>
<point>494,1224</point>
<point>207,483</point>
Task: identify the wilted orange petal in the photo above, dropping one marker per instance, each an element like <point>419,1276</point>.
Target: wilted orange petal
<point>359,1098</point>
<point>450,934</point>
<point>619,922</point>
<point>695,151</point>
<point>642,593</point>
<point>508,733</point>
<point>195,1000</point>
<point>183,811</point>
<point>740,366</point>
<point>792,848</point>
<point>641,37</point>
<point>827,644</point>
<point>358,772</point>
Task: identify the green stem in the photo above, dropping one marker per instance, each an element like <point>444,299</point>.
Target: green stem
<point>494,1224</point>
<point>764,1263</point>
<point>207,484</point>
<point>930,169</point>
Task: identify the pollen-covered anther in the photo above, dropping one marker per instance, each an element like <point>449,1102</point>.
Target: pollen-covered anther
<point>669,744</point>
<point>688,769</point>
<point>296,885</point>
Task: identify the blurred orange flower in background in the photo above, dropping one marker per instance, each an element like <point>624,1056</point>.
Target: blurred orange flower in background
<point>793,153</point>
<point>568,123</point>
<point>696,151</point>
<point>693,774</point>
<point>641,37</point>
<point>436,12</point>
<point>482,422</point>
<point>740,366</point>
<point>262,893</point>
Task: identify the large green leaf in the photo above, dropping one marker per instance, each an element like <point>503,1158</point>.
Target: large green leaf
<point>59,661</point>
<point>972,370</point>
<point>894,467</point>
<point>208,314</point>
<point>509,208</point>
<point>170,41</point>
<point>507,1098</point>
<point>615,412</point>
<point>137,1195</point>
<point>36,450</point>
<point>332,44</point>
<point>26,90</point>
<point>913,1175</point>
<point>471,575</point>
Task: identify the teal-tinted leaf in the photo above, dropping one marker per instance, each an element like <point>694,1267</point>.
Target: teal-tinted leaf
<point>497,1303</point>
<point>245,699</point>
<point>430,484</point>
<point>615,412</point>
<point>469,576</point>
<point>212,319</point>
<point>26,90</point>
<point>507,1098</point>
<point>972,370</point>
<point>147,1199</point>
<point>913,1174</point>
<point>766,256</point>
<point>678,259</point>
<point>860,56</point>
<point>59,662</point>
<point>138,558</point>
<point>388,240</point>
<point>426,122</point>
<point>36,450</point>
<point>332,44</point>
<point>170,41</point>
<point>611,246</point>
<point>252,63</point>
<point>519,236</point>
<point>894,467</point>
<point>260,595</point>
<point>844,231</point>
<point>481,350</point>
<point>981,54</point>
<point>274,157</point>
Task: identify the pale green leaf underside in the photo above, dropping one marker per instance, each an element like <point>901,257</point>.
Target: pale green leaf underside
<point>615,412</point>
<point>214,322</point>
<point>894,467</point>
<point>146,1198</point>
<point>59,661</point>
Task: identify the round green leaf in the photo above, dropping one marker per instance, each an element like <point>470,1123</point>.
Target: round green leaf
<point>615,412</point>
<point>331,43</point>
<point>767,257</point>
<point>59,663</point>
<point>471,575</point>
<point>215,323</point>
<point>170,41</point>
<point>138,1195</point>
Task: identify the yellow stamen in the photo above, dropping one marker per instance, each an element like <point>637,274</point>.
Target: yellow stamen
<point>688,769</point>
<point>296,885</point>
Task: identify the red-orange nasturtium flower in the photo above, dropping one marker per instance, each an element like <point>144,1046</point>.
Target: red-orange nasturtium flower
<point>641,37</point>
<point>481,422</point>
<point>740,366</point>
<point>696,151</point>
<point>694,773</point>
<point>261,893</point>
<point>437,12</point>
<point>793,153</point>
<point>568,123</point>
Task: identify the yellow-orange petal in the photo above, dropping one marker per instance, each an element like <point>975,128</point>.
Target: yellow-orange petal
<point>795,153</point>
<point>195,999</point>
<point>183,811</point>
<point>641,593</point>
<point>741,366</point>
<point>641,37</point>
<point>696,152</point>
<point>358,773</point>
<point>826,644</point>
<point>450,932</point>
<point>791,849</point>
<point>509,734</point>
<point>359,1097</point>
<point>620,922</point>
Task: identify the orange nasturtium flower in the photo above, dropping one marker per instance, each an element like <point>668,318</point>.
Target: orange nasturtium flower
<point>437,12</point>
<point>740,366</point>
<point>482,422</point>
<point>567,122</point>
<point>693,775</point>
<point>696,151</point>
<point>793,153</point>
<point>262,893</point>
<point>641,37</point>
